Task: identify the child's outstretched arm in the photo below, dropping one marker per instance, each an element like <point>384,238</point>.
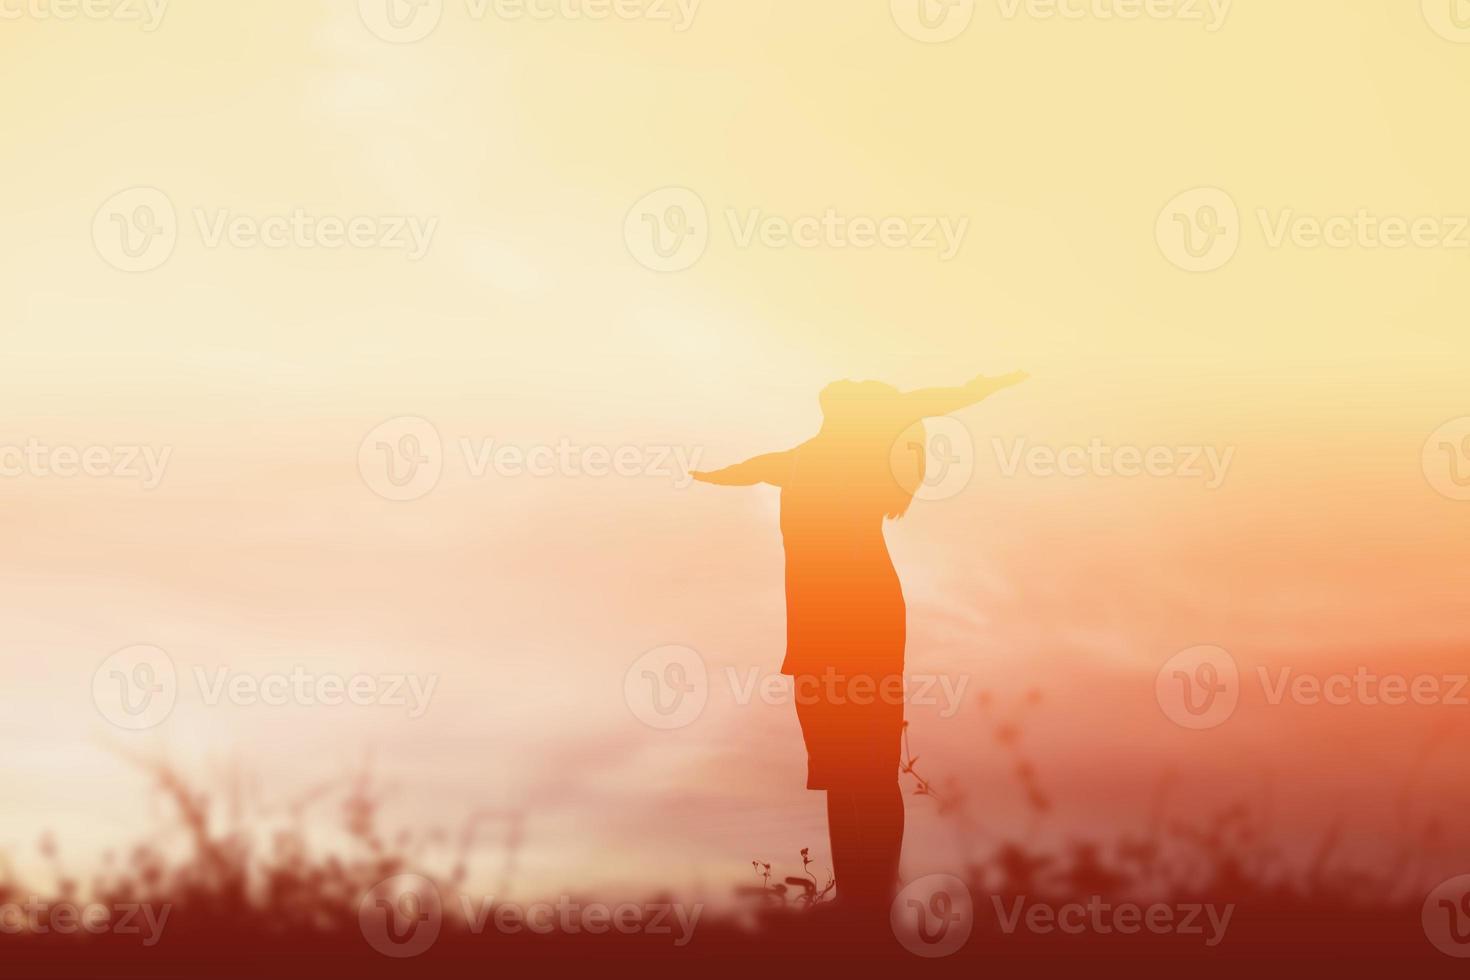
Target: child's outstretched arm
<point>770,468</point>
<point>929,402</point>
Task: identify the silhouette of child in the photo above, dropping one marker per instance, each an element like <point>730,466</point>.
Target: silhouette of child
<point>845,614</point>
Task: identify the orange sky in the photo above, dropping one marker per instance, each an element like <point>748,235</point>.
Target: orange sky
<point>531,322</point>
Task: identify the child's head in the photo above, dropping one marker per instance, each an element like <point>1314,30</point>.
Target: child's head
<point>863,417</point>
<point>856,403</point>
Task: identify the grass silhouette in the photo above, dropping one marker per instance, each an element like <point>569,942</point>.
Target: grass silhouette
<point>240,905</point>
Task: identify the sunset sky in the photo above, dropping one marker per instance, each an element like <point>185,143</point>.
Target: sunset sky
<point>532,319</point>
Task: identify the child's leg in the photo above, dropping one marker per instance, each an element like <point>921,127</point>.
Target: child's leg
<point>866,822</point>
<point>880,812</point>
<point>885,807</point>
<point>843,829</point>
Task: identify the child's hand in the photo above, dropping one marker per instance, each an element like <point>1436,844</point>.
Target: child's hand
<point>992,385</point>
